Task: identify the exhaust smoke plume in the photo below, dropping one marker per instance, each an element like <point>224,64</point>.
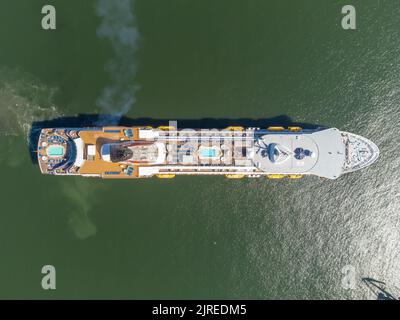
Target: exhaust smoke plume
<point>118,27</point>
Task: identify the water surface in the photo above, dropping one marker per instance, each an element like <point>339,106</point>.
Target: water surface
<point>200,237</point>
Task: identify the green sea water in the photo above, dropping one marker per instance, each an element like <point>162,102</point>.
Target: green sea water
<point>200,237</point>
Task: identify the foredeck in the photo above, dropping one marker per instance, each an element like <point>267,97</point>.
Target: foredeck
<point>325,148</point>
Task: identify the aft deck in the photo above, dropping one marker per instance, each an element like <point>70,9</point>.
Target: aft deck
<point>96,165</point>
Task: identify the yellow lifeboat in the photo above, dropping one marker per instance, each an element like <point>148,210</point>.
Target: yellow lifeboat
<point>233,128</point>
<point>295,176</point>
<point>234,176</point>
<point>275,128</point>
<point>275,176</point>
<point>295,129</point>
<point>167,128</point>
<point>165,176</point>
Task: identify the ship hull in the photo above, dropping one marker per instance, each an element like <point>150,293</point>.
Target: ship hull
<point>233,152</point>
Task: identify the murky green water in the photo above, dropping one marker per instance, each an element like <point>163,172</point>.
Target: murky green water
<point>200,237</point>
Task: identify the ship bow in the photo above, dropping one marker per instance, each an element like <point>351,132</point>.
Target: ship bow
<point>360,152</point>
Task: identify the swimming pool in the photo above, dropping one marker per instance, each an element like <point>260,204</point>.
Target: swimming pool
<point>208,153</point>
<point>55,151</point>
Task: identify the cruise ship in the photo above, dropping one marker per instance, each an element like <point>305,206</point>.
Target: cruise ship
<point>234,152</point>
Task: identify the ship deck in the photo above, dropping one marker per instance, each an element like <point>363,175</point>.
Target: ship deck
<point>97,166</point>
<point>136,152</point>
